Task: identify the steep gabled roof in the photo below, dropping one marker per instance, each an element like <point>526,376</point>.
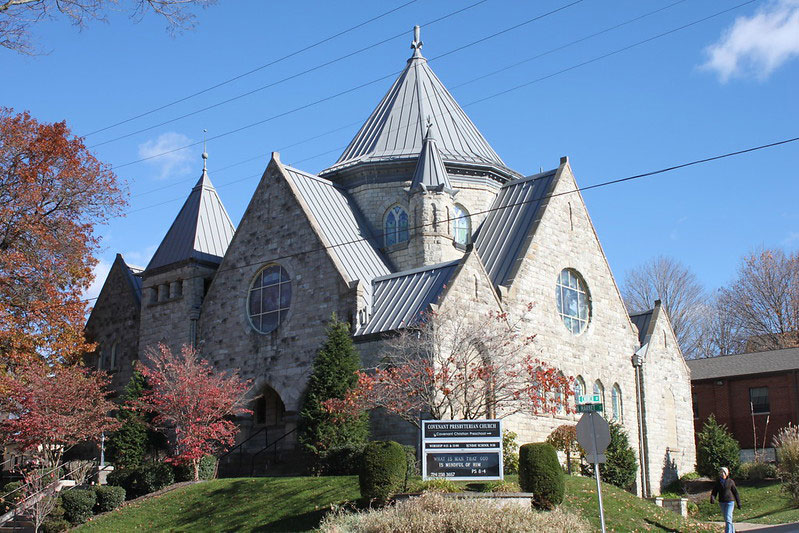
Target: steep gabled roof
<point>396,128</point>
<point>342,227</point>
<point>745,363</point>
<point>501,238</point>
<point>430,173</point>
<point>401,298</point>
<point>202,230</point>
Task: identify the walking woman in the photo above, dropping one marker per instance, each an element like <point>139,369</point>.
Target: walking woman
<point>725,489</point>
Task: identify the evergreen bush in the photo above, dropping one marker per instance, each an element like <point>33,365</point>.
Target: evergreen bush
<point>78,505</point>
<point>383,470</point>
<point>332,377</point>
<point>55,525</point>
<point>109,498</point>
<point>143,479</point>
<point>510,453</point>
<point>413,464</point>
<point>621,466</point>
<point>339,461</point>
<point>541,474</point>
<point>715,448</point>
<point>9,496</point>
<point>185,472</point>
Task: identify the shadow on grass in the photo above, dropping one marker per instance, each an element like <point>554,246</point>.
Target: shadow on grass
<point>302,522</point>
<point>660,526</point>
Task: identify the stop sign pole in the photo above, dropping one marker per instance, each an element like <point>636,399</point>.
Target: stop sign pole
<point>593,434</point>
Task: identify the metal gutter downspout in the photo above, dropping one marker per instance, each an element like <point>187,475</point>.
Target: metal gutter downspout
<point>643,449</point>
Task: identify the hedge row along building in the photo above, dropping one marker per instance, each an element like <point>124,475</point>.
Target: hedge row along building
<point>419,210</point>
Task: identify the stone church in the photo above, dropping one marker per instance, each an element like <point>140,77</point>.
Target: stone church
<point>419,210</point>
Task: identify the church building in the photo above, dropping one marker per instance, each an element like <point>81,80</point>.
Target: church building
<point>418,211</point>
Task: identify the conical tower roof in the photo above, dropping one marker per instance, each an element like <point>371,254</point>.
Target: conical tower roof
<point>202,230</point>
<point>396,128</point>
<point>430,173</point>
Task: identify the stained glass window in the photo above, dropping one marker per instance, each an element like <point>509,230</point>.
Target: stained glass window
<point>571,294</point>
<point>269,299</point>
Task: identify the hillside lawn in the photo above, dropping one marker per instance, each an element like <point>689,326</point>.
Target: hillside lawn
<point>762,503</point>
<point>299,503</point>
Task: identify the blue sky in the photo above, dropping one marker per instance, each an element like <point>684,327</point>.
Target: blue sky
<point>724,84</point>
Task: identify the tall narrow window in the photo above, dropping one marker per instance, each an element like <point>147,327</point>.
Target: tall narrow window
<point>461,225</point>
<point>615,402</point>
<point>113,362</point>
<point>269,299</point>
<point>758,400</point>
<point>571,296</point>
<point>579,388</point>
<point>600,390</point>
<point>396,226</point>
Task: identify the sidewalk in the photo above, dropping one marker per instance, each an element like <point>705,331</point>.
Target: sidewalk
<point>748,526</point>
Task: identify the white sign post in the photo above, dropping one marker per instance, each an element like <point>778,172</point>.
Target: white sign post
<point>593,434</point>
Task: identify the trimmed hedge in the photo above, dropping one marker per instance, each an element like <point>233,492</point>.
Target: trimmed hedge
<point>541,474</point>
<point>78,505</point>
<point>55,525</point>
<point>108,498</point>
<point>383,470</point>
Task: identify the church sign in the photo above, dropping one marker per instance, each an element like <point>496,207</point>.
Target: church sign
<point>462,450</point>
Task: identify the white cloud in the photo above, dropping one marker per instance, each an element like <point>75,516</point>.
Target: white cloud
<point>170,164</point>
<point>139,258</point>
<point>757,45</point>
<point>100,271</point>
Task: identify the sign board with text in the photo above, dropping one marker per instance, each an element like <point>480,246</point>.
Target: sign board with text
<point>462,450</point>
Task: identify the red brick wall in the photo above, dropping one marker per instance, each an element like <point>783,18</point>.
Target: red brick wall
<point>728,400</point>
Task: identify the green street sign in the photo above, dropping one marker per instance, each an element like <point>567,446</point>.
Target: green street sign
<point>589,408</point>
<point>589,398</point>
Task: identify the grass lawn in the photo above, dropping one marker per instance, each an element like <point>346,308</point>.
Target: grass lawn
<point>298,504</point>
<point>762,503</point>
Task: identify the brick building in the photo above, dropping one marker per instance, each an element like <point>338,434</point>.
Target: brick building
<point>742,389</point>
<point>418,211</point>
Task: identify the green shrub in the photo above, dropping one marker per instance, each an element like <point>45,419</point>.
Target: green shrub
<point>510,453</point>
<point>185,472</point>
<point>501,485</point>
<point>383,470</point>
<point>338,461</point>
<point>7,499</point>
<point>541,474</point>
<point>757,471</point>
<point>78,505</point>
<point>108,498</point>
<point>620,466</point>
<point>690,476</point>
<point>716,448</point>
<point>437,485</point>
<point>143,479</point>
<point>693,509</point>
<point>55,525</point>
<point>413,464</point>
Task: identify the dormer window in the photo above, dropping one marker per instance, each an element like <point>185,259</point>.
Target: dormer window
<point>396,226</point>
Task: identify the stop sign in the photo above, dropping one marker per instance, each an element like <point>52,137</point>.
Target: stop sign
<point>593,434</point>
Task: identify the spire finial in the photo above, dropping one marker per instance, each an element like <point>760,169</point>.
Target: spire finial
<point>429,132</point>
<point>417,42</point>
<point>205,153</point>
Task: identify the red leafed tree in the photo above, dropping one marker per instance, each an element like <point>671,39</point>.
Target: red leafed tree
<point>193,401</point>
<point>53,408</point>
<point>52,194</point>
<point>459,365</point>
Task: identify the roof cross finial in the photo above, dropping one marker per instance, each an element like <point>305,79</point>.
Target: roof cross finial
<point>205,153</point>
<point>417,42</point>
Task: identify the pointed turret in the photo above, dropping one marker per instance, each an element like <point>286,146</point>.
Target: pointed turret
<point>430,174</point>
<point>396,128</point>
<point>201,231</point>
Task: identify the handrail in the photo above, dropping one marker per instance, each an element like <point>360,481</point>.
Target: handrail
<point>13,512</point>
<point>274,443</point>
<point>242,443</point>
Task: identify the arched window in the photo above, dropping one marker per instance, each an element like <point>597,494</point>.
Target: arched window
<point>579,388</point>
<point>615,403</point>
<point>559,407</point>
<point>396,226</point>
<point>269,298</point>
<point>571,294</point>
<point>461,225</point>
<point>113,359</point>
<point>600,390</point>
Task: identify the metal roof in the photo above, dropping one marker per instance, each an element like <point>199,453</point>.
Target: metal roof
<point>401,298</point>
<point>743,364</point>
<point>430,174</point>
<point>202,229</point>
<point>641,321</point>
<point>501,238</point>
<point>396,128</point>
<point>134,277</point>
<point>344,229</point>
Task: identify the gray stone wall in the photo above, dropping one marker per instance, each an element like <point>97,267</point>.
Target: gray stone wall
<point>114,321</point>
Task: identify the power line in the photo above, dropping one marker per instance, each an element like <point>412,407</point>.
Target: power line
<point>283,80</point>
<point>256,69</point>
<point>332,96</point>
<point>308,139</point>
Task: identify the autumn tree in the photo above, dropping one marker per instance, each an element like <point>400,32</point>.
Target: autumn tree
<point>192,402</point>
<point>17,16</point>
<point>564,438</point>
<point>54,408</point>
<point>681,294</point>
<point>53,192</point>
<point>764,300</point>
<point>459,365</point>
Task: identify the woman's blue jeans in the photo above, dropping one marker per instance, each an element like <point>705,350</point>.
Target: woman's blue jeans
<point>726,512</point>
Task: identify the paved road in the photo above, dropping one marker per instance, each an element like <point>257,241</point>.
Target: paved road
<point>783,528</point>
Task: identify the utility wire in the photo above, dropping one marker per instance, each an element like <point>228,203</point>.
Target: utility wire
<point>256,69</point>
<point>283,80</point>
<point>472,80</point>
<point>329,97</point>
